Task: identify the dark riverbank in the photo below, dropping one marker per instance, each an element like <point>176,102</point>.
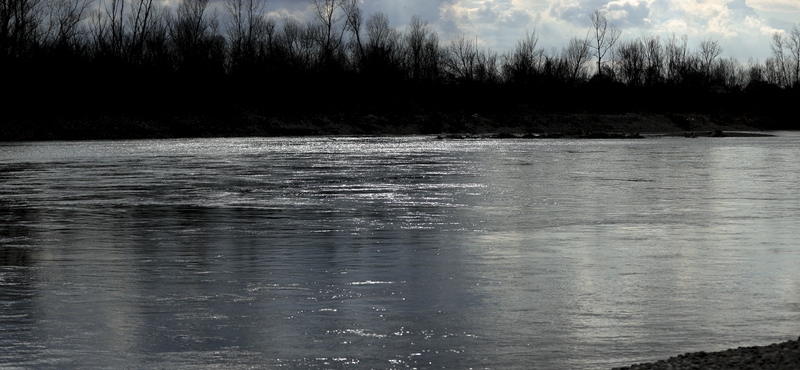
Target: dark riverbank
<point>515,123</point>
<point>777,356</point>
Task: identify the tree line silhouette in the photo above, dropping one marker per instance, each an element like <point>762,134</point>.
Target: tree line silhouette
<point>137,57</point>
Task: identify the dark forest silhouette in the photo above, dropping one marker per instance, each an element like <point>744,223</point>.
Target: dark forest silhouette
<point>135,58</point>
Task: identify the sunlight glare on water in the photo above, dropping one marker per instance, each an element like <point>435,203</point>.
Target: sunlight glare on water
<point>401,252</point>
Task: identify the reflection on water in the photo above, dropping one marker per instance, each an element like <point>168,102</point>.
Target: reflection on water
<point>395,252</point>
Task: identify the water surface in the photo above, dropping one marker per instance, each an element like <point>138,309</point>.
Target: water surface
<point>395,252</point>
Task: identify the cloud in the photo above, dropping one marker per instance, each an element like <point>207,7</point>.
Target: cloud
<point>781,25</point>
<point>496,13</point>
<point>740,10</point>
<point>503,14</point>
<point>575,12</point>
<point>496,23</point>
<point>775,5</point>
<point>628,13</point>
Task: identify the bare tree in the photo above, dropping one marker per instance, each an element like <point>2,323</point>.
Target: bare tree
<point>654,59</point>
<point>433,57</point>
<point>462,58</point>
<point>382,54</point>
<point>755,71</point>
<point>772,72</point>
<point>630,62</point>
<point>353,23</point>
<point>709,50</point>
<point>415,42</point>
<point>294,44</point>
<point>468,63</point>
<point>525,61</point>
<point>192,24</point>
<point>576,55</point>
<point>20,26</point>
<point>554,67</point>
<point>299,44</point>
<point>777,47</point>
<point>605,35</point>
<point>423,58</point>
<point>140,24</point>
<point>248,30</point>
<point>486,68</point>
<point>381,36</point>
<point>98,33</point>
<point>676,51</point>
<point>327,13</point>
<point>157,53</point>
<point>729,73</point>
<point>194,36</point>
<point>793,44</point>
<point>121,28</point>
<point>739,79</point>
<point>115,15</point>
<point>64,18</point>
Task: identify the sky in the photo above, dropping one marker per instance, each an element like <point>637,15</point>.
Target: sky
<point>742,27</point>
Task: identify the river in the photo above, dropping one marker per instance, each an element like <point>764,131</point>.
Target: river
<point>398,252</point>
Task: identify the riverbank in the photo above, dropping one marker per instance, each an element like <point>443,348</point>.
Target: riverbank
<point>776,356</point>
<point>242,123</point>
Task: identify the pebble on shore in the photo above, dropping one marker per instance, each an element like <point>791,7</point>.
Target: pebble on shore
<point>779,356</point>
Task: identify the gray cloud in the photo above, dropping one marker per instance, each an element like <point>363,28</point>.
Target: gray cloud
<point>578,13</point>
<point>741,10</point>
<point>399,12</point>
<point>635,15</point>
<point>290,5</point>
<point>780,24</point>
<point>503,14</point>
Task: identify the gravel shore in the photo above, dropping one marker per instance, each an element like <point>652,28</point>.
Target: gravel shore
<point>243,124</point>
<point>782,356</point>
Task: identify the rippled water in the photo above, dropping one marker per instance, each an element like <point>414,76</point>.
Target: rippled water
<point>395,252</point>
